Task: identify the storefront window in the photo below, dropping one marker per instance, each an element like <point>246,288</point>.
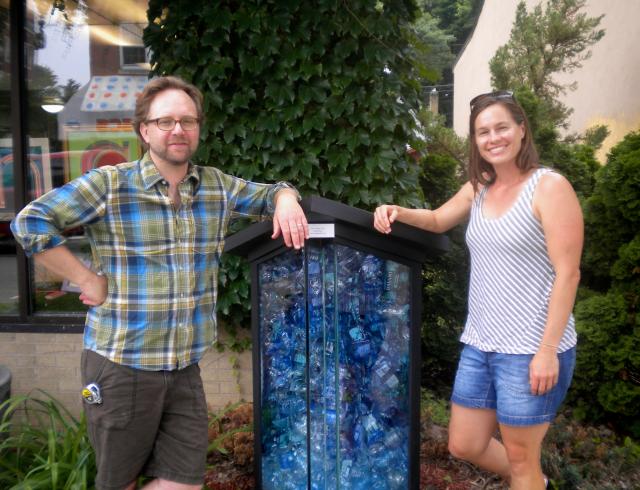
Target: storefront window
<point>8,264</point>
<point>86,63</point>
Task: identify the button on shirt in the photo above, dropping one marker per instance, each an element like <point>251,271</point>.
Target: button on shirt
<point>161,263</point>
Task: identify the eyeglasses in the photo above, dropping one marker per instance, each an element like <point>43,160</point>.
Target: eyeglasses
<point>497,95</point>
<point>168,123</point>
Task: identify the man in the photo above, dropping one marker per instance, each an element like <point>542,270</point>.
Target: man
<point>156,228</point>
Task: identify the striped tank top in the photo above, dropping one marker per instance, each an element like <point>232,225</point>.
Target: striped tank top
<point>511,278</point>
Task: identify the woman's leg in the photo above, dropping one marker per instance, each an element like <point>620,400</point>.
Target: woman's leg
<point>523,447</point>
<point>471,437</point>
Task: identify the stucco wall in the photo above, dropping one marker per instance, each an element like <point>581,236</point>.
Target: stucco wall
<point>471,74</point>
<point>607,82</point>
<point>51,362</point>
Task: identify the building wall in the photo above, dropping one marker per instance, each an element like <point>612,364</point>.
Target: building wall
<point>51,362</point>
<point>607,82</point>
<point>471,74</point>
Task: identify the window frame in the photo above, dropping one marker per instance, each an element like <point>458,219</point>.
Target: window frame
<point>27,319</point>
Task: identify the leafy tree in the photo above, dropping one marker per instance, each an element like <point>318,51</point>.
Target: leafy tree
<point>607,379</point>
<point>543,44</point>
<point>317,92</point>
<point>68,89</point>
<point>456,17</point>
<point>448,21</point>
<point>441,140</point>
<point>43,81</point>
<point>434,43</point>
<point>595,136</point>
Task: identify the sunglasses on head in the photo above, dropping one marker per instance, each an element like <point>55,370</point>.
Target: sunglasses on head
<point>497,95</point>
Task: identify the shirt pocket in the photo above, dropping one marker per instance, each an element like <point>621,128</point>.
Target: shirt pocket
<point>206,239</point>
<point>143,238</point>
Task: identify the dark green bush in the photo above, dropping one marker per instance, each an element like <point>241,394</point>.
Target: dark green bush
<point>612,214</point>
<point>607,380</point>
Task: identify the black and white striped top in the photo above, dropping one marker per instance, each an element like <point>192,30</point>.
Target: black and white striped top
<point>511,278</point>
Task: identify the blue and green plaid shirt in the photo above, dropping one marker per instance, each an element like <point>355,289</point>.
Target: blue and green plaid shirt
<point>161,263</point>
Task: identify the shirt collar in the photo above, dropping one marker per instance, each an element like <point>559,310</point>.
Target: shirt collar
<point>151,176</point>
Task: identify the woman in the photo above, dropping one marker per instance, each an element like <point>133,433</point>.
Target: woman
<point>525,237</point>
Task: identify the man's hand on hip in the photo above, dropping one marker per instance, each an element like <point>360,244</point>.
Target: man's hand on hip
<point>94,290</point>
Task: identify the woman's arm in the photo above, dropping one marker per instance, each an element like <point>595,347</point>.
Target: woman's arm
<point>556,205</point>
<point>440,220</point>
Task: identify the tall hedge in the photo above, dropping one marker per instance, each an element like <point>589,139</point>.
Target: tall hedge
<point>317,92</point>
<point>607,379</point>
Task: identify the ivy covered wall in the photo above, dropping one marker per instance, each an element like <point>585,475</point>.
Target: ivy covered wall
<point>320,93</point>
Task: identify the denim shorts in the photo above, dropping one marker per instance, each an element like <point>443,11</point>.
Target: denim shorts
<point>151,423</point>
<point>500,382</point>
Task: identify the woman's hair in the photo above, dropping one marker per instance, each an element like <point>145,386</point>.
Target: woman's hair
<point>481,171</point>
<point>153,88</point>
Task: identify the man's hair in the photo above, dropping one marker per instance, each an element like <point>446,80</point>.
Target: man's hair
<point>153,88</point>
<point>481,171</point>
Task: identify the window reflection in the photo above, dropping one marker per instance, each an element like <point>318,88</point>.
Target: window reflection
<point>86,65</point>
<point>8,264</point>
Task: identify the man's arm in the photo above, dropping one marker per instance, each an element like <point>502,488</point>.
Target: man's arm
<point>38,229</point>
<point>280,200</point>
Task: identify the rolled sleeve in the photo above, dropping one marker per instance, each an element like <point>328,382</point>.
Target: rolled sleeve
<point>277,187</point>
<point>252,199</point>
<point>39,226</point>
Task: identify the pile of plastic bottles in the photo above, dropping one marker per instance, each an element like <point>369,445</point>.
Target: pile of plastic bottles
<point>334,329</point>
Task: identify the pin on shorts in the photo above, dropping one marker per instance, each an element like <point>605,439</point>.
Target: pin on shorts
<point>91,394</point>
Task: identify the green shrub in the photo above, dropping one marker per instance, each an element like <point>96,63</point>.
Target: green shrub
<point>444,277</point>
<point>44,446</point>
<point>607,380</point>
<point>433,410</point>
<point>608,357</point>
<point>589,457</point>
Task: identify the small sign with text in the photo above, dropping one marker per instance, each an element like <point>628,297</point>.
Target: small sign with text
<point>322,230</point>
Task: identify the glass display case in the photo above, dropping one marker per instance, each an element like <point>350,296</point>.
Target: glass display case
<point>337,352</point>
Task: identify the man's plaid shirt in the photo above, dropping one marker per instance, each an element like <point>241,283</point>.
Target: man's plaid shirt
<point>161,263</point>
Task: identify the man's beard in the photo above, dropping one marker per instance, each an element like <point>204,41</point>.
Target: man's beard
<point>166,154</point>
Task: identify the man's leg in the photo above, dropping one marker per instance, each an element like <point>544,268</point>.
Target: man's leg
<point>180,450</point>
<point>471,437</point>
<point>160,484</point>
<point>122,428</point>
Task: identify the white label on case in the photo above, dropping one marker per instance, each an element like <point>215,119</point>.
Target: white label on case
<point>322,230</point>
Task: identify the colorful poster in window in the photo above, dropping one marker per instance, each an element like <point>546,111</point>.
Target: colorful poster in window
<point>89,149</point>
<point>113,93</point>
<point>39,173</point>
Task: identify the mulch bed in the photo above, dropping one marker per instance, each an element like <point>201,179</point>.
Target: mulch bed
<point>438,470</point>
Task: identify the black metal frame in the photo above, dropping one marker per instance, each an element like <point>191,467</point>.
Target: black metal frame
<point>415,354</point>
<point>409,246</point>
<point>27,320</point>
